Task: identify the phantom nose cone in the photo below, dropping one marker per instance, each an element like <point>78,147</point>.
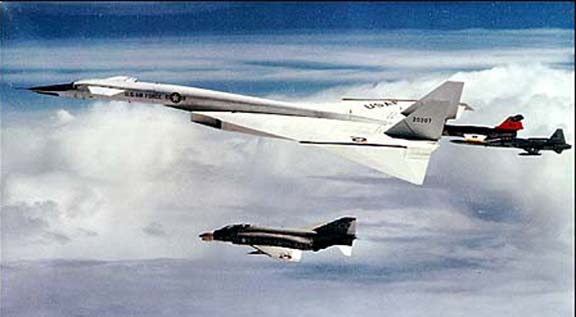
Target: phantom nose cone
<point>207,236</point>
<point>53,90</point>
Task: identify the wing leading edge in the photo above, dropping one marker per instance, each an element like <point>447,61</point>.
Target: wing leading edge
<point>285,254</point>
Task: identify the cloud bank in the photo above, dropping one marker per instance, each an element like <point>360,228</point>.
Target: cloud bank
<point>110,188</point>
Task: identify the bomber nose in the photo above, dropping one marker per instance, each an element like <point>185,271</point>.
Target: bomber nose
<point>207,236</point>
<point>52,90</point>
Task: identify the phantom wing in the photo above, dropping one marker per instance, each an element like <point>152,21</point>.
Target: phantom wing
<point>285,254</point>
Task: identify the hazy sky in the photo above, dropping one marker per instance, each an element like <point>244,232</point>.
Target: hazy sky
<point>102,202</point>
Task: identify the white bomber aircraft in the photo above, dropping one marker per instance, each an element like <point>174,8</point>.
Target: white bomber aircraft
<point>394,136</point>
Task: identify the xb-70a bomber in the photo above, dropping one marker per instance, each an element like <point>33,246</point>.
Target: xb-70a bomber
<point>394,136</point>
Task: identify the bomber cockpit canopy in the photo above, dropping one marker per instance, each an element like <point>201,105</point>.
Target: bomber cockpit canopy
<point>105,81</point>
<point>123,78</point>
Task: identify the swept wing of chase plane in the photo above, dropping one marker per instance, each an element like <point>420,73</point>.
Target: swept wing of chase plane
<point>394,136</point>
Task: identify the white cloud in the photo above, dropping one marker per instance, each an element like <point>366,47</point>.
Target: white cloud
<point>115,168</point>
<point>487,224</point>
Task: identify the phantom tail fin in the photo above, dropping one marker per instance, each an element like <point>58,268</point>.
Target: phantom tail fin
<point>343,226</point>
<point>340,233</point>
<point>426,118</point>
<point>512,123</point>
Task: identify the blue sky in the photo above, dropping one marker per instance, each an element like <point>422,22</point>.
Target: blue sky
<point>114,195</point>
<point>120,20</point>
<point>55,32</point>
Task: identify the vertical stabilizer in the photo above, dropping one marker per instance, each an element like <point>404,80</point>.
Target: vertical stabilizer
<point>426,118</point>
<point>339,233</point>
<point>558,137</point>
<point>512,123</point>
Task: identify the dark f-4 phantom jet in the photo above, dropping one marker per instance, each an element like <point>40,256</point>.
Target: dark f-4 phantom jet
<point>288,244</point>
<point>532,146</point>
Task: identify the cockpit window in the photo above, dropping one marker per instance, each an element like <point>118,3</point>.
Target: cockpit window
<point>235,227</point>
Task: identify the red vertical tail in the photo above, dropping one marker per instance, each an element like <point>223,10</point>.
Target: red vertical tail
<point>512,123</point>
